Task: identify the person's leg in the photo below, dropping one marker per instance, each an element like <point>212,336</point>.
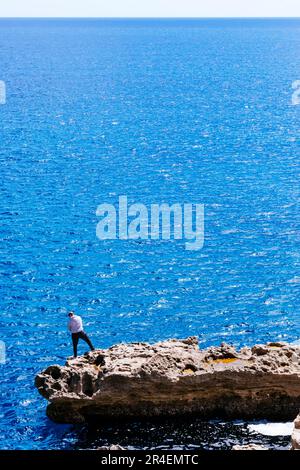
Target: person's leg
<point>85,338</point>
<point>75,339</point>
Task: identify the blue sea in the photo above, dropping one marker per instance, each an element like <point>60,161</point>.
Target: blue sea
<point>186,111</point>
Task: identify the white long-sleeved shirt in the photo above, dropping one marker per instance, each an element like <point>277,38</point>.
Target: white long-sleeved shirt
<point>75,324</point>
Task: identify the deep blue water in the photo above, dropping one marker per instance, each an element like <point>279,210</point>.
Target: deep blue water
<point>160,111</point>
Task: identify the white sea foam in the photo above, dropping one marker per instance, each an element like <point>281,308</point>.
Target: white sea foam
<point>272,429</point>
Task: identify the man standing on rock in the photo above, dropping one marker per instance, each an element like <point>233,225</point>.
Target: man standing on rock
<point>76,328</point>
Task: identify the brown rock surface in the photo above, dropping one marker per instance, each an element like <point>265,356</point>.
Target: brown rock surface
<point>175,377</point>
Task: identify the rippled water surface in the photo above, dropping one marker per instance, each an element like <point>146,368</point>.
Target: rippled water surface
<point>160,111</point>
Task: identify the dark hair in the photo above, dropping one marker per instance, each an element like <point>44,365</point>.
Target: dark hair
<point>70,314</point>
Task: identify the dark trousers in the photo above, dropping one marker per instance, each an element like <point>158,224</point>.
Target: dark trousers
<point>81,335</point>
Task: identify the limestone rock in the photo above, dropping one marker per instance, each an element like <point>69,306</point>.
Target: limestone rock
<point>112,447</point>
<point>296,434</point>
<point>175,377</point>
<point>249,447</point>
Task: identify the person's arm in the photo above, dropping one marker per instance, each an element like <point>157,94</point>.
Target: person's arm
<point>69,325</point>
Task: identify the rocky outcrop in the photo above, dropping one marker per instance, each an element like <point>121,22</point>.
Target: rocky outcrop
<point>175,377</point>
<point>296,434</point>
<point>249,447</point>
<point>112,447</point>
